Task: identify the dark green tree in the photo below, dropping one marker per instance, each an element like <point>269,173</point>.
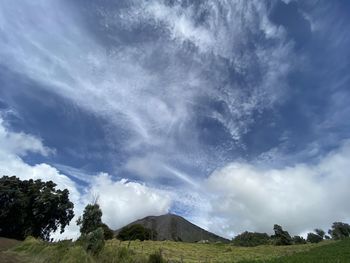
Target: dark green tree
<point>281,237</point>
<point>339,230</point>
<point>33,208</point>
<point>137,231</point>
<point>91,219</point>
<point>251,239</point>
<point>314,238</point>
<point>107,232</point>
<point>320,232</point>
<point>298,240</point>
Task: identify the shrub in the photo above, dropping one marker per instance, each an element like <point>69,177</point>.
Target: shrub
<point>93,241</point>
<point>314,238</point>
<point>156,257</point>
<point>250,239</point>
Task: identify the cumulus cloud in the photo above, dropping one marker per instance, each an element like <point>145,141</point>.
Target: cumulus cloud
<point>20,143</point>
<point>121,201</point>
<point>299,197</point>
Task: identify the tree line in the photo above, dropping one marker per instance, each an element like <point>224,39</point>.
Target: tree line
<point>36,208</point>
<point>281,237</point>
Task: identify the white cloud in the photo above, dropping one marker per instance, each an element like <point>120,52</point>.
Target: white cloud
<point>153,106</point>
<point>20,143</point>
<point>121,201</point>
<point>300,198</point>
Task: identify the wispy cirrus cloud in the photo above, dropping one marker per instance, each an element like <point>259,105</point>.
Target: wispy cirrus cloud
<point>151,91</point>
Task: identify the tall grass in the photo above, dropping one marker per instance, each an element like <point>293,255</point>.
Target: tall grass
<point>116,251</point>
<point>338,252</point>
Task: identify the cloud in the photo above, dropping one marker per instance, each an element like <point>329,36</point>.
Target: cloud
<point>299,197</point>
<point>20,143</point>
<point>150,91</point>
<point>121,201</point>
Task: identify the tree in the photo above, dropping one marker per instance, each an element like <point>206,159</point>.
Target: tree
<point>314,238</point>
<point>250,239</point>
<point>320,232</point>
<point>107,232</point>
<point>137,231</point>
<point>281,237</point>
<point>339,230</point>
<point>298,240</point>
<point>33,208</point>
<point>91,219</point>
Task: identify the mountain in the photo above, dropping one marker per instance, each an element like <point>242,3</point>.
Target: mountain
<point>176,228</point>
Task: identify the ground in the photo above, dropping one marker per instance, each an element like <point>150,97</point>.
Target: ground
<point>7,256</point>
<point>36,251</point>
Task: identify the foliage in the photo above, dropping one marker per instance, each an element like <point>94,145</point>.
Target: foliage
<point>91,219</point>
<point>320,232</point>
<point>281,237</point>
<point>93,241</point>
<point>314,238</point>
<point>339,230</point>
<point>135,232</point>
<point>336,252</point>
<point>114,250</point>
<point>298,240</point>
<point>33,208</point>
<point>107,232</point>
<point>250,239</point>
<point>156,257</point>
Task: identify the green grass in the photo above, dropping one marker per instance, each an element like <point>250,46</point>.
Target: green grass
<point>337,252</point>
<point>139,252</point>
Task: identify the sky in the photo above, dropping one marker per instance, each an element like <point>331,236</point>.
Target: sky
<point>231,113</point>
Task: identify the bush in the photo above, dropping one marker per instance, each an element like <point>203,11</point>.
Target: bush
<point>314,238</point>
<point>298,240</point>
<point>250,239</point>
<point>137,232</point>
<point>156,257</point>
<point>93,241</point>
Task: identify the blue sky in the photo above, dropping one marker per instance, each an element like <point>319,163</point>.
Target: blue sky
<point>233,114</point>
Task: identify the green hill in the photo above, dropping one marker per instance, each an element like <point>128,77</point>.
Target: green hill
<point>338,252</point>
<point>33,250</point>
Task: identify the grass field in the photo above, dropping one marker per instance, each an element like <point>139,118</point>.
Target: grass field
<point>33,250</point>
<point>338,252</point>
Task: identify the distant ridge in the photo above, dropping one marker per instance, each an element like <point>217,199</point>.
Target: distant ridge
<point>176,228</point>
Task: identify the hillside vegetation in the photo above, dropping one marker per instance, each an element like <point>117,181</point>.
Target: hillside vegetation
<point>146,252</point>
<point>338,252</point>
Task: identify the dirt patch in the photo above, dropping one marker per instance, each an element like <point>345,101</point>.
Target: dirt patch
<point>7,256</point>
<point>6,243</point>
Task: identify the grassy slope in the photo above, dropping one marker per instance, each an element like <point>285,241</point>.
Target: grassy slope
<point>192,252</point>
<point>338,252</point>
<point>116,251</point>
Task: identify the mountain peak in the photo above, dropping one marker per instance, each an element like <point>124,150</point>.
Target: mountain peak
<point>174,227</point>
